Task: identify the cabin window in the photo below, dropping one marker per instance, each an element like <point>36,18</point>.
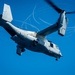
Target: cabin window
<point>51,44</point>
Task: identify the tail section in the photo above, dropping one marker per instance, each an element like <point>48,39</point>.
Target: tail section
<point>7,15</point>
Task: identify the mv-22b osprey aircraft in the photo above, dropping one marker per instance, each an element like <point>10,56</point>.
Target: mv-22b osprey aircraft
<point>35,41</point>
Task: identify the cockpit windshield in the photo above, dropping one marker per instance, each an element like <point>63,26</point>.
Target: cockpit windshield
<point>57,47</point>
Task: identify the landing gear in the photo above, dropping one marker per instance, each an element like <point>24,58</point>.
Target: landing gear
<point>19,50</point>
<point>56,59</point>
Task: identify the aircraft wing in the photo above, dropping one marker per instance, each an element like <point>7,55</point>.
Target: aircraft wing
<point>48,30</point>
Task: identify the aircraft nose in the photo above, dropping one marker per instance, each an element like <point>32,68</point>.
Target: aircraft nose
<point>60,54</point>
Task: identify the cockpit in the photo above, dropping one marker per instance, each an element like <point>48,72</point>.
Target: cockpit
<point>57,47</point>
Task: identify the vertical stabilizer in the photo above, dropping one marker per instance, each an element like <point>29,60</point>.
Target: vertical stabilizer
<point>7,15</point>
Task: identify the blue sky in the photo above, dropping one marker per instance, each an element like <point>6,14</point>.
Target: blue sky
<point>36,15</point>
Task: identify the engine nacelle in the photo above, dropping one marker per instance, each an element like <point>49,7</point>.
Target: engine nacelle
<point>62,24</point>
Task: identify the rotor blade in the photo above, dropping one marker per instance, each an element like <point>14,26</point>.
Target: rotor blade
<point>54,6</point>
<point>70,12</point>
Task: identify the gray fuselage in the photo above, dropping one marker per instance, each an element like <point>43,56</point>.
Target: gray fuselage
<point>31,41</point>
